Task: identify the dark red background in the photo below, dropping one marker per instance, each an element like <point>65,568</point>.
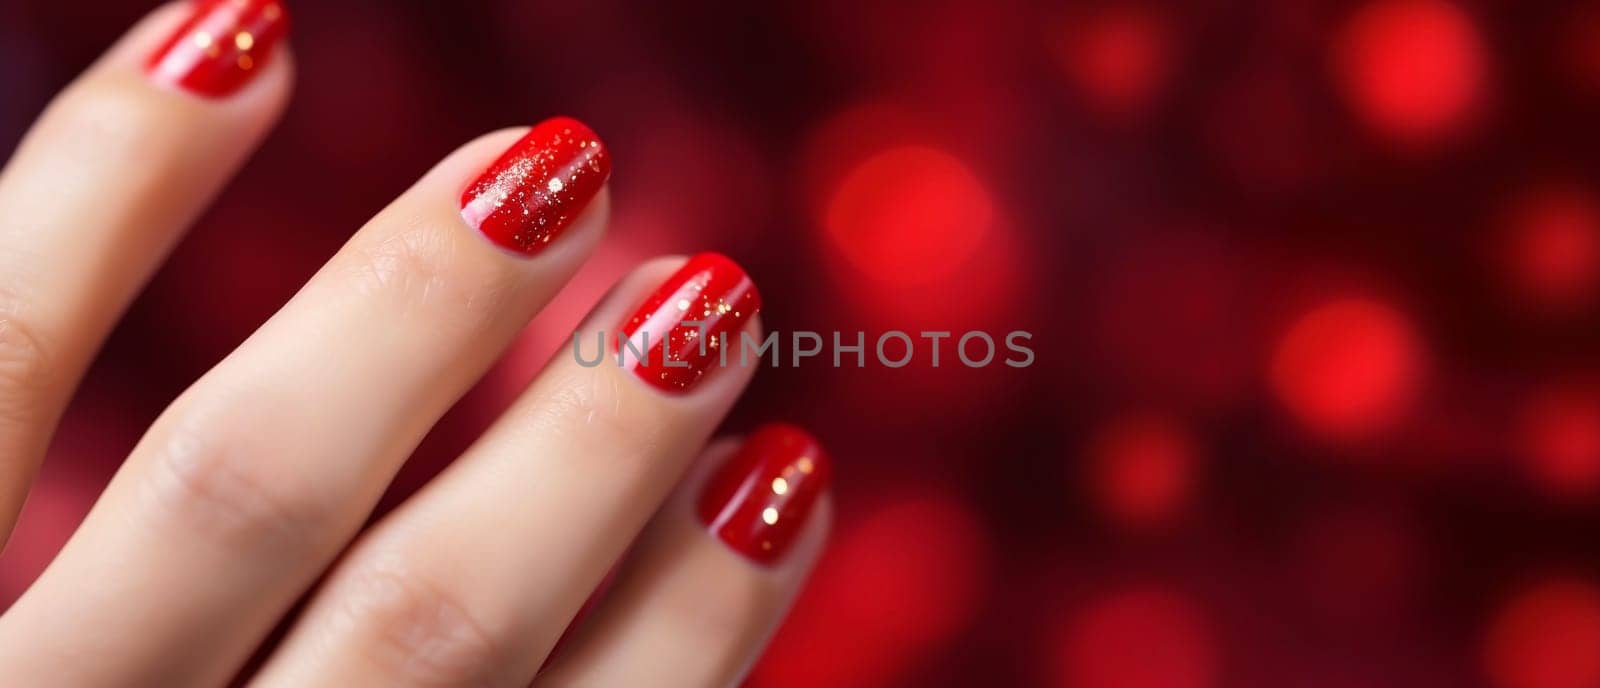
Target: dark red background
<point>1312,287</point>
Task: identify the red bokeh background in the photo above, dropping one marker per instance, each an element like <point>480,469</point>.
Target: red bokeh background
<point>1312,286</point>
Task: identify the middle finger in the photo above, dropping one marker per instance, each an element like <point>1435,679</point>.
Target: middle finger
<point>472,580</point>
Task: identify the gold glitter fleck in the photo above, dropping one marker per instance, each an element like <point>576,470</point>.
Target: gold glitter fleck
<point>556,185</point>
<point>805,465</point>
<point>770,516</point>
<point>245,62</point>
<point>683,304</point>
<point>202,39</point>
<point>780,486</point>
<point>244,40</point>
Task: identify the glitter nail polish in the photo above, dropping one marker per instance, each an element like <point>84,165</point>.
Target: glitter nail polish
<point>757,503</point>
<point>538,186</point>
<point>679,333</point>
<point>221,47</point>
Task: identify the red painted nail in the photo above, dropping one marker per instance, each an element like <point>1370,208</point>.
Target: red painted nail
<point>665,351</point>
<point>527,197</point>
<point>222,45</point>
<point>758,502</point>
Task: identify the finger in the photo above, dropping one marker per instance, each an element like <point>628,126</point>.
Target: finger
<point>102,186</point>
<point>256,477</point>
<point>472,580</point>
<point>714,573</point>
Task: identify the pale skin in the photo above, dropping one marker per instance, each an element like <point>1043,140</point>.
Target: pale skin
<point>251,490</point>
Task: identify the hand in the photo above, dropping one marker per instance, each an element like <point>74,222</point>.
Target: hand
<point>251,491</point>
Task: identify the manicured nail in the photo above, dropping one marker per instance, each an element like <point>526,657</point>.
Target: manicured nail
<point>221,47</point>
<point>693,322</point>
<point>758,502</point>
<point>533,192</point>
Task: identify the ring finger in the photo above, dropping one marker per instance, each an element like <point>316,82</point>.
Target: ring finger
<point>714,573</point>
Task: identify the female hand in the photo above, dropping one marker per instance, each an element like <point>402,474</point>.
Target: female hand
<point>251,490</point>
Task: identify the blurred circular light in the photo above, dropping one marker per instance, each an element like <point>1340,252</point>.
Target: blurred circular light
<point>1553,247</point>
<point>1545,637</point>
<point>909,215</point>
<point>1414,70</point>
<point>1559,437</point>
<point>1118,57</point>
<point>1142,470</point>
<point>1142,637</point>
<point>1348,369</point>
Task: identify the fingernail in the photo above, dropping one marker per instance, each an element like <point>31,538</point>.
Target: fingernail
<point>533,192</point>
<point>758,502</point>
<point>221,47</point>
<point>690,324</point>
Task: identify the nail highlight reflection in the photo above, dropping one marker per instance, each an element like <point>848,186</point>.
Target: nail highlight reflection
<point>538,186</point>
<point>688,324</point>
<point>221,47</point>
<point>758,502</point>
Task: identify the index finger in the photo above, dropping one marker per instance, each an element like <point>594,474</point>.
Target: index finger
<point>103,185</point>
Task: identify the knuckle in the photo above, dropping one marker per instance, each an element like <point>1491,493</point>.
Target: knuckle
<point>415,629</point>
<point>421,267</point>
<point>730,611</point>
<point>27,370</point>
<point>224,486</point>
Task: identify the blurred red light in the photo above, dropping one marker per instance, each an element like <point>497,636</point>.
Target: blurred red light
<point>1553,250</point>
<point>1118,57</point>
<point>1559,442</point>
<point>898,584</point>
<point>909,215</point>
<point>1545,637</point>
<point>1142,470</point>
<point>1414,70</point>
<point>1142,637</point>
<point>1349,368</point>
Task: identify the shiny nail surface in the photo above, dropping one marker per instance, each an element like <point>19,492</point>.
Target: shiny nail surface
<point>221,47</point>
<point>757,503</point>
<point>690,324</point>
<point>532,193</point>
